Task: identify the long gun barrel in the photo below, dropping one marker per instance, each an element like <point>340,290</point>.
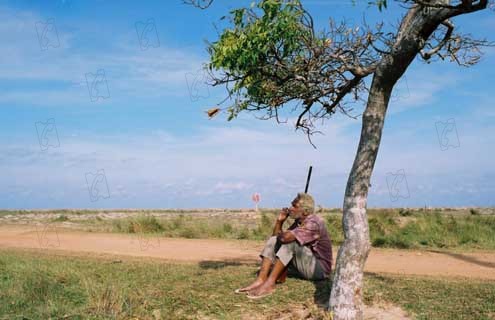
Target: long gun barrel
<point>307,180</point>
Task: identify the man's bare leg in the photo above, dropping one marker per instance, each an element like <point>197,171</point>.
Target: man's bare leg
<point>262,275</point>
<point>269,285</point>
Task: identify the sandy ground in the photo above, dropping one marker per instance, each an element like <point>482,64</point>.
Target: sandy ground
<point>431,263</point>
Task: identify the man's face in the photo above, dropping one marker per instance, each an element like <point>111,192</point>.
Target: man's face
<point>295,211</point>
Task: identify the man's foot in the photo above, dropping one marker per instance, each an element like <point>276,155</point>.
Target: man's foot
<point>252,286</point>
<point>261,291</point>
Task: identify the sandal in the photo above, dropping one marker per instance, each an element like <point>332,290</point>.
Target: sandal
<point>261,295</point>
<point>238,291</point>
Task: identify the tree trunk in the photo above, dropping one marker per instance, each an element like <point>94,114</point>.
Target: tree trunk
<point>346,296</point>
<point>347,288</point>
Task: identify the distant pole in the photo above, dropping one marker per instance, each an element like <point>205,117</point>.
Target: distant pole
<point>307,180</point>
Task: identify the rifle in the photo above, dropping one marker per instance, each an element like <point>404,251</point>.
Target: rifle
<point>309,178</point>
<point>283,275</point>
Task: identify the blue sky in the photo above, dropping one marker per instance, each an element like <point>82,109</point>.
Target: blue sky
<point>103,106</point>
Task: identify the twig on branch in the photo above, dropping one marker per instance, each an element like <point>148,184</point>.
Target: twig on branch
<point>202,4</point>
<point>462,49</point>
<point>450,28</point>
<point>321,72</point>
<point>266,68</point>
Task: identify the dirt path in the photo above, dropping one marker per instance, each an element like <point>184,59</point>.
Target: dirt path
<point>471,265</point>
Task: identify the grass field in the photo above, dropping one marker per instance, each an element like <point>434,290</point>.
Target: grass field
<point>393,228</point>
<point>38,285</point>
<point>41,286</point>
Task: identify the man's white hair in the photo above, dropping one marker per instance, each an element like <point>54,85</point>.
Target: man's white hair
<point>306,202</point>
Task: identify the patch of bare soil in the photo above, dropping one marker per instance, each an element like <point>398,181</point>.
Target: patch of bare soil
<point>309,311</point>
<point>406,262</point>
<point>385,311</point>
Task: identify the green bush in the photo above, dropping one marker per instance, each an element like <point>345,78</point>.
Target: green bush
<point>178,222</point>
<point>243,233</point>
<point>264,227</point>
<point>334,227</point>
<point>141,224</point>
<point>188,232</point>
<point>227,228</point>
<point>379,242</point>
<point>405,213</point>
<point>61,218</point>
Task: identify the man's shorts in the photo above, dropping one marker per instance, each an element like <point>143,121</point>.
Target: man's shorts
<point>300,260</point>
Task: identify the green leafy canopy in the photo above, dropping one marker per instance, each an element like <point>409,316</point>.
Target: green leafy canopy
<point>247,51</point>
<point>265,43</point>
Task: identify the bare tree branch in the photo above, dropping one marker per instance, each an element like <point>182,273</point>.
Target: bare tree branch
<point>462,49</point>
<point>329,68</point>
<point>450,28</point>
<point>327,73</point>
<point>202,4</point>
<point>466,6</point>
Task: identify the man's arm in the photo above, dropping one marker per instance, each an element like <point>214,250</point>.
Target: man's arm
<point>278,228</point>
<point>283,236</point>
<point>282,216</point>
<point>308,232</point>
<point>286,237</point>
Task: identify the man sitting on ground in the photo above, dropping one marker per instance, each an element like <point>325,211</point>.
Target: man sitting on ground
<point>304,250</point>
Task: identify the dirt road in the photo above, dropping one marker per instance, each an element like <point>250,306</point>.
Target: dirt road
<point>433,263</point>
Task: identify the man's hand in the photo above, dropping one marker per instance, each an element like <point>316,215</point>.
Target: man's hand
<point>280,221</point>
<point>283,215</point>
<point>286,237</point>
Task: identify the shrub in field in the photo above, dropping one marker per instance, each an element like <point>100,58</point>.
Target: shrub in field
<point>227,228</point>
<point>61,218</point>
<point>146,224</point>
<point>178,222</point>
<point>264,227</point>
<point>243,233</point>
<point>404,212</point>
<point>188,232</point>
<point>379,242</point>
<point>334,227</point>
<point>382,224</point>
<point>141,224</point>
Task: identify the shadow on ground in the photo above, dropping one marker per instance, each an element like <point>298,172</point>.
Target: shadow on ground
<point>466,258</point>
<point>322,293</point>
<point>219,264</point>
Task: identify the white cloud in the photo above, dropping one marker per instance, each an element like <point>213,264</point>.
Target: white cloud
<point>130,72</point>
<point>231,162</point>
<point>230,187</point>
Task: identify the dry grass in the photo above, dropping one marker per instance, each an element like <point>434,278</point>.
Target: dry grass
<point>41,286</point>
